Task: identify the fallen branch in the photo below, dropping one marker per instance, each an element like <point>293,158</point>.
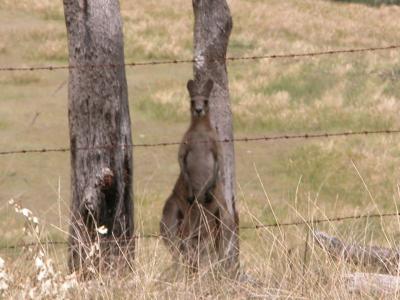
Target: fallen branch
<point>385,260</point>
<point>371,283</point>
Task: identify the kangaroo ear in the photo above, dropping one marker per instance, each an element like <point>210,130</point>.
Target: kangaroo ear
<point>190,87</point>
<point>208,87</point>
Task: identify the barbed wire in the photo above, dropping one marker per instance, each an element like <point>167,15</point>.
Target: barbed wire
<point>185,61</point>
<point>318,221</point>
<point>248,227</point>
<point>242,139</point>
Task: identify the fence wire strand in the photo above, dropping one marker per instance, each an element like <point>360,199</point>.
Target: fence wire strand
<point>242,139</point>
<point>247,227</point>
<point>185,61</point>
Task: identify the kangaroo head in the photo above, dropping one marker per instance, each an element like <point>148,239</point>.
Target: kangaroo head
<point>199,96</point>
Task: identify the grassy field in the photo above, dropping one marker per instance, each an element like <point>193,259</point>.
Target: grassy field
<point>285,180</point>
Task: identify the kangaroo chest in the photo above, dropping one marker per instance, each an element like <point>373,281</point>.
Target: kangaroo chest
<point>200,161</point>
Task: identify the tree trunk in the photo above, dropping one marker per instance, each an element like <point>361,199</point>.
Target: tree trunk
<point>212,28</point>
<point>99,124</point>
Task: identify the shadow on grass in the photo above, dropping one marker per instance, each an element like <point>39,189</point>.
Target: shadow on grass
<point>372,2</point>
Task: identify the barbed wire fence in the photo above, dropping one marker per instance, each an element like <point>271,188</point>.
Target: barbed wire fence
<point>309,222</point>
<point>305,136</point>
<point>186,61</point>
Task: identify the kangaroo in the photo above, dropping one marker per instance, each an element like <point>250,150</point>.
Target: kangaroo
<point>191,214</point>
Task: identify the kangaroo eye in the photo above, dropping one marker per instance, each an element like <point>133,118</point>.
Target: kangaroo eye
<point>206,102</point>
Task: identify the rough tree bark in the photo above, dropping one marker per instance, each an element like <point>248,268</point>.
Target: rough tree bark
<point>101,176</point>
<point>212,28</point>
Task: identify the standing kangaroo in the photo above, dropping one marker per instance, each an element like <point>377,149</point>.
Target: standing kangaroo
<point>191,215</point>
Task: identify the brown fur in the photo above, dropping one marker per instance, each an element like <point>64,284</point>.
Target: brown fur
<point>191,215</point>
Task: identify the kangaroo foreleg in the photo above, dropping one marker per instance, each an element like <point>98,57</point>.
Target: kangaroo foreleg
<point>206,194</point>
<point>183,153</point>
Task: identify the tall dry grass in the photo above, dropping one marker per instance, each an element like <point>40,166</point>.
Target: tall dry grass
<point>276,262</point>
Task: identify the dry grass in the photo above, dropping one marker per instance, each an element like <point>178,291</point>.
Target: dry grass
<point>302,179</point>
<point>275,263</point>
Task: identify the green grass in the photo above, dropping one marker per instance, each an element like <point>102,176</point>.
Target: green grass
<point>19,79</point>
<point>3,125</point>
<point>307,85</point>
<point>348,172</point>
